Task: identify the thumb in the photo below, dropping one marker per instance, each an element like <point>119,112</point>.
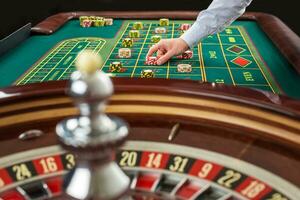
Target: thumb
<point>165,57</point>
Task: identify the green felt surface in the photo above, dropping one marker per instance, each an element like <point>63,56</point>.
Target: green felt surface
<point>43,58</point>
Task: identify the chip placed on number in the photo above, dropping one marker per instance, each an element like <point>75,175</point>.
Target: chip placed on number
<point>186,55</point>
<point>115,67</point>
<point>127,42</point>
<point>184,68</point>
<point>155,38</point>
<point>164,22</point>
<point>138,26</point>
<point>134,34</point>
<point>124,53</point>
<point>147,73</point>
<point>160,30</point>
<point>185,27</point>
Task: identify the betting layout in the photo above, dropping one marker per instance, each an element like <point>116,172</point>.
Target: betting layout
<point>229,57</point>
<point>162,172</point>
<point>221,58</point>
<point>134,36</point>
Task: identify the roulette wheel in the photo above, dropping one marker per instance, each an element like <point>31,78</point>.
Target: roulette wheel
<point>186,139</point>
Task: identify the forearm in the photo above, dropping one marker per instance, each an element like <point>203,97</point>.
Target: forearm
<point>219,15</point>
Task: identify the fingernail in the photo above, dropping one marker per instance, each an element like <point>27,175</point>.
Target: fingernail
<point>158,62</point>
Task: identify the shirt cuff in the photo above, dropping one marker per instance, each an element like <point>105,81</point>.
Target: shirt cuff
<point>194,35</point>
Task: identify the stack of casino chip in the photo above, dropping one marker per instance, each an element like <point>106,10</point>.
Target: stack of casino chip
<point>127,42</point>
<point>108,21</point>
<point>134,34</point>
<point>160,30</point>
<point>186,55</point>
<point>184,68</point>
<point>124,53</point>
<point>155,38</point>
<point>83,18</point>
<point>88,21</point>
<point>98,21</point>
<point>185,27</point>
<point>116,67</point>
<point>151,60</point>
<point>164,22</point>
<point>138,26</point>
<point>147,73</point>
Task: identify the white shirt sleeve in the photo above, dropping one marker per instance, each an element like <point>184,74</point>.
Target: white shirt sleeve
<point>219,15</point>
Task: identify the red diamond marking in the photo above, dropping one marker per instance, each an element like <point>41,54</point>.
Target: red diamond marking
<point>242,62</point>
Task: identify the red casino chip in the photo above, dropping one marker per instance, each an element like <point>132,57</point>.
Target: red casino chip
<point>87,23</point>
<point>185,27</point>
<point>151,60</point>
<point>186,55</point>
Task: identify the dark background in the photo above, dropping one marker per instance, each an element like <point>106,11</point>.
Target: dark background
<point>14,13</point>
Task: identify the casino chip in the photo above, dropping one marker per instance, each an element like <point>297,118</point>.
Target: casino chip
<point>124,53</point>
<point>186,55</point>
<point>185,27</point>
<point>134,34</point>
<point>147,73</point>
<point>82,18</point>
<point>95,21</point>
<point>184,68</point>
<point>138,26</point>
<point>109,21</point>
<point>155,38</point>
<point>86,23</point>
<point>127,42</point>
<point>116,67</point>
<point>164,22</point>
<point>160,30</point>
<point>151,60</point>
<point>99,22</point>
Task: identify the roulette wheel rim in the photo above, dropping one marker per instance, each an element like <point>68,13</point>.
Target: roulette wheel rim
<point>168,105</point>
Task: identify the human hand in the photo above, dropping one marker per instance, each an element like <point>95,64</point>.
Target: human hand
<point>167,48</point>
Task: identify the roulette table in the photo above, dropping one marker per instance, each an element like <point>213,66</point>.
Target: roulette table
<point>257,51</point>
<point>208,137</point>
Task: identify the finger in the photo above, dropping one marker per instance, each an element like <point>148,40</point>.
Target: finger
<point>165,57</point>
<point>160,53</point>
<point>152,50</point>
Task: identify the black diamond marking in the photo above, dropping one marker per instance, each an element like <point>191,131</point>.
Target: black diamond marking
<point>236,49</point>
